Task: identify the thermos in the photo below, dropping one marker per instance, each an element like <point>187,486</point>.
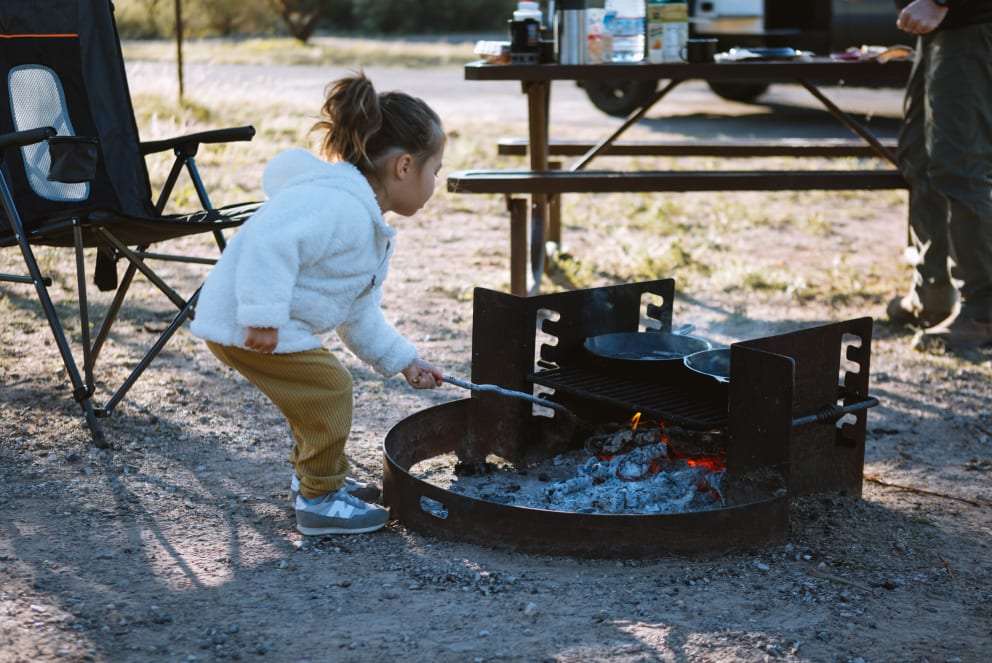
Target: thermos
<point>572,32</point>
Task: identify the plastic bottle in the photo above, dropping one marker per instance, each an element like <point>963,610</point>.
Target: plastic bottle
<point>599,41</point>
<point>628,29</point>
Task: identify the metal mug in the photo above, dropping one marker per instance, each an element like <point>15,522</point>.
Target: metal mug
<point>699,50</point>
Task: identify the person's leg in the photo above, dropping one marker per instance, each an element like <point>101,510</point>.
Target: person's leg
<point>933,295</point>
<point>961,168</point>
<point>314,392</point>
<point>961,164</point>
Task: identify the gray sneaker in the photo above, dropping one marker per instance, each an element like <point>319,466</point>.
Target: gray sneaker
<point>338,513</point>
<point>366,492</point>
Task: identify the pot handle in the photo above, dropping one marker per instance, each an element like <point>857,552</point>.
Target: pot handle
<point>832,413</point>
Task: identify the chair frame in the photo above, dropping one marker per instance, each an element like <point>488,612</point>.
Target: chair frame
<point>65,83</point>
<point>82,378</point>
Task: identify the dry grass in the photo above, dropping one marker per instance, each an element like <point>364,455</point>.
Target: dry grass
<point>399,52</point>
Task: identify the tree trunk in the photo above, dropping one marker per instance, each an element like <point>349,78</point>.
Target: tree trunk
<point>301,16</point>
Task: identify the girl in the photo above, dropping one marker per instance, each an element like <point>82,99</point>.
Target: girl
<point>313,258</point>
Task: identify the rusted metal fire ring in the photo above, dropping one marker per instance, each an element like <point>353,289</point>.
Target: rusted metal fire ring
<point>417,504</point>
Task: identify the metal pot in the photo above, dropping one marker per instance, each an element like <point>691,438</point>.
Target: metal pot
<point>644,349</point>
<point>713,363</point>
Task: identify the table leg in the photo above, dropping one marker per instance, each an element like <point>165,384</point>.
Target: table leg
<point>850,123</point>
<point>554,212</point>
<point>518,245</point>
<point>631,120</point>
<point>538,106</point>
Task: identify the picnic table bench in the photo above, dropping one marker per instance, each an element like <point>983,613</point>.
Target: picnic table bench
<point>544,182</point>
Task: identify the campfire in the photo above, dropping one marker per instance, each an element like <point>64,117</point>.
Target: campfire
<point>640,467</point>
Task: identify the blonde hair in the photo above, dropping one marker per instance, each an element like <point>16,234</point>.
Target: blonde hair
<point>361,125</point>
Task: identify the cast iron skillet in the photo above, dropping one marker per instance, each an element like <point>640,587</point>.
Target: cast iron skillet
<point>713,363</point>
<point>645,348</point>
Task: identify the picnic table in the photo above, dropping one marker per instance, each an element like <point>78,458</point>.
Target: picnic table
<point>545,184</point>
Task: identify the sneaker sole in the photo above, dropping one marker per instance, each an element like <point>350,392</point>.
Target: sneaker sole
<point>318,531</point>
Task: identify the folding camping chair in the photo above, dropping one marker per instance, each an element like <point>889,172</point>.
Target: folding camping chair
<point>73,175</point>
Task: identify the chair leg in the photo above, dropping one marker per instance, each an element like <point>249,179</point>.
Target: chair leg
<point>135,264</point>
<point>84,306</point>
<point>82,391</point>
<point>96,431</point>
<point>113,311</point>
<point>184,314</point>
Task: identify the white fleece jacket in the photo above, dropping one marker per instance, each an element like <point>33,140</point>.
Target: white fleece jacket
<point>311,259</point>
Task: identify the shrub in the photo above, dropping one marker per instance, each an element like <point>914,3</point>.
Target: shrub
<point>434,17</point>
<point>156,19</point>
<point>151,19</point>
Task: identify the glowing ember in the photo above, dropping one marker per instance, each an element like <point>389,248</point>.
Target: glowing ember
<point>643,480</point>
<point>640,470</point>
<point>638,467</point>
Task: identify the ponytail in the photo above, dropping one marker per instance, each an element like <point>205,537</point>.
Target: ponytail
<point>362,126</point>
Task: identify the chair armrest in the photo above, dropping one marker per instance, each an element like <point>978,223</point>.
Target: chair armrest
<point>26,137</point>
<point>188,144</point>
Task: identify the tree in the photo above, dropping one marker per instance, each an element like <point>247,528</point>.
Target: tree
<point>300,16</point>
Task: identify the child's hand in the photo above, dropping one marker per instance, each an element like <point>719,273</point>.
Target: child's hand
<point>422,374</point>
<point>262,339</point>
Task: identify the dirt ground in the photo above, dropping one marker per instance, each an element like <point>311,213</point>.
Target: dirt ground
<point>178,544</point>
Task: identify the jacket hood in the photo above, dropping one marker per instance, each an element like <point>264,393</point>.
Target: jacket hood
<point>298,167</point>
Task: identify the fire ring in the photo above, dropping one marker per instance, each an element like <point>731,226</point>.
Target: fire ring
<point>433,511</point>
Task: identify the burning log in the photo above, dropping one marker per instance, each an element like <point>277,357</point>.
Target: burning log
<point>637,469</point>
<point>620,441</point>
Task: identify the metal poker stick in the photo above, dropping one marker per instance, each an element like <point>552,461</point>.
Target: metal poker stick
<point>505,392</point>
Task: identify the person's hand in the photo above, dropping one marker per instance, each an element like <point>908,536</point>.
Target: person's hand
<point>422,374</point>
<point>262,339</point>
<point>921,17</point>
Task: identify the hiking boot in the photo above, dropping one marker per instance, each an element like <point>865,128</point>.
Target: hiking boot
<point>338,513</point>
<point>958,334</point>
<point>366,492</point>
<point>908,311</point>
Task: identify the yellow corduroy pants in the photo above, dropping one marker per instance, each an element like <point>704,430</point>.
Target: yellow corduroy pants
<point>313,390</point>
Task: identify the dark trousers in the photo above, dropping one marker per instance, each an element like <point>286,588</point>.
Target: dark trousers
<point>945,148</point>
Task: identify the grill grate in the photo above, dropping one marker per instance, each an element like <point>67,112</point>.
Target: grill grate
<point>672,403</point>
